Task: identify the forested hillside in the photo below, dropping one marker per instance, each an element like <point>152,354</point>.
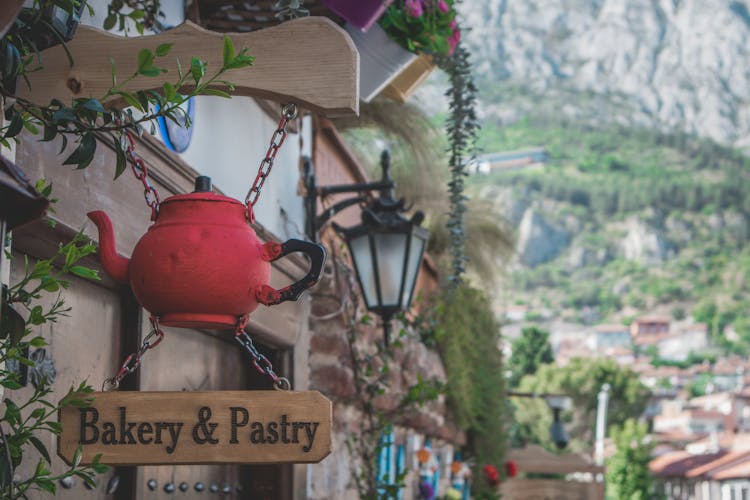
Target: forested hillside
<point>621,222</point>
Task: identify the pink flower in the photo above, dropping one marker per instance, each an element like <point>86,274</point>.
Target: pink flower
<point>453,41</point>
<point>413,8</point>
<point>443,7</point>
<point>453,24</point>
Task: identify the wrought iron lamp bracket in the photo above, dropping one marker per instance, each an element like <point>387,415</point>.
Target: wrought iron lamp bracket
<point>383,204</point>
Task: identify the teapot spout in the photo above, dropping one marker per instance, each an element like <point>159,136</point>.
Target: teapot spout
<point>115,265</point>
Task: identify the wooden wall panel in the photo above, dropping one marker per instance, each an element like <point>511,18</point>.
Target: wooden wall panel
<point>83,346</point>
<point>189,360</point>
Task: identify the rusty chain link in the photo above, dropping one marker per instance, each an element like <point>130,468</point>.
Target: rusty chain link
<point>151,195</point>
<point>259,361</point>
<point>133,361</point>
<point>140,170</point>
<point>288,113</point>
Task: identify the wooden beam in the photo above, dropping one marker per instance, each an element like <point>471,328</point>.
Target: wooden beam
<point>310,61</point>
<point>8,14</point>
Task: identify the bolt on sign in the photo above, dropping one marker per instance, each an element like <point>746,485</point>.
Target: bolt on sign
<point>213,427</point>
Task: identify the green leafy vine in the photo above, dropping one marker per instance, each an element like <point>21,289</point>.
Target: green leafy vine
<point>462,127</point>
<point>22,422</point>
<point>372,369</point>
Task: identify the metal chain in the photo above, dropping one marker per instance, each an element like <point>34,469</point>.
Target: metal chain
<point>259,361</point>
<point>140,170</point>
<point>133,361</point>
<point>288,113</point>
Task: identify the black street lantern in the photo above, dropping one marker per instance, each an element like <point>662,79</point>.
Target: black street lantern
<point>386,247</point>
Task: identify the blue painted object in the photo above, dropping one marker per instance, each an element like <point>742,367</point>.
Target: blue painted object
<point>177,137</point>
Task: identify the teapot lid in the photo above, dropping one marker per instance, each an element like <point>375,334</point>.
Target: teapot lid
<point>202,193</point>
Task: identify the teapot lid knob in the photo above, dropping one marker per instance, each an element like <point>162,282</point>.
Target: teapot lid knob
<point>202,184</point>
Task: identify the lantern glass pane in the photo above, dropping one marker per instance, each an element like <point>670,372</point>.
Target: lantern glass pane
<point>390,250</point>
<point>412,269</point>
<point>360,248</point>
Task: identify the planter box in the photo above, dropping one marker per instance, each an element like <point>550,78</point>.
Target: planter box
<point>381,60</point>
<point>359,13</point>
<point>404,85</point>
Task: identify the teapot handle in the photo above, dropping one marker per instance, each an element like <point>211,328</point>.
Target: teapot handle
<point>272,251</point>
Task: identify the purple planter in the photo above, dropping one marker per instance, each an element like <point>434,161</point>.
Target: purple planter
<point>359,13</point>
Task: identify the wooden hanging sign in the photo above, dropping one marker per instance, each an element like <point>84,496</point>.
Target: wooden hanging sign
<point>211,427</point>
<point>308,61</point>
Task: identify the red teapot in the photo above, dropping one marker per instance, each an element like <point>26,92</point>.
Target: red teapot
<point>200,265</point>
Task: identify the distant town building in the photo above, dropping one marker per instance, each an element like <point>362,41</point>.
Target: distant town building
<point>511,160</point>
<point>611,336</point>
<point>678,346</point>
<point>649,326</point>
<point>719,475</point>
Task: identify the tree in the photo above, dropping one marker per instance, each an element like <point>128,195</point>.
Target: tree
<point>581,380</point>
<point>628,476</point>
<point>531,350</point>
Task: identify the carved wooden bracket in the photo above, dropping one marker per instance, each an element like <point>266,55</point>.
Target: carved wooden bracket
<point>310,61</point>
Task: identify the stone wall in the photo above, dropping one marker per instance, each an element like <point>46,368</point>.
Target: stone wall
<point>331,373</point>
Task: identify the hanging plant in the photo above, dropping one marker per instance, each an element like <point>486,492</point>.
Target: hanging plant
<point>423,26</point>
<point>462,127</point>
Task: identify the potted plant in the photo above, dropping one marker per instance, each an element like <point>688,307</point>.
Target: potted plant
<point>423,26</point>
<point>408,28</point>
<point>360,13</point>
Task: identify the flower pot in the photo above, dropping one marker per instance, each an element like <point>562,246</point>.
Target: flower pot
<point>380,60</point>
<point>404,85</point>
<point>359,13</point>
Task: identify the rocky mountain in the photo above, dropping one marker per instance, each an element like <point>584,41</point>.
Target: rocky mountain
<point>672,64</point>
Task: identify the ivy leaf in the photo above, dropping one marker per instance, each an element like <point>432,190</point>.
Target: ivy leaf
<point>145,59</point>
<point>131,100</point>
<point>30,127</point>
<point>122,161</point>
<point>197,69</point>
<point>64,115</point>
<point>36,317</point>
<point>49,284</point>
<point>16,124</point>
<point>216,92</point>
<point>11,384</point>
<point>38,342</point>
<point>169,91</point>
<point>84,153</point>
<point>163,49</point>
<point>228,52</point>
<point>40,447</point>
<point>94,105</point>
<point>110,21</point>
<point>152,71</point>
<point>50,132</point>
<point>242,60</point>
<point>84,272</point>
<point>45,484</point>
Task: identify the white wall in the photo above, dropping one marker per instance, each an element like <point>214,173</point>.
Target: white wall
<point>230,138</point>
